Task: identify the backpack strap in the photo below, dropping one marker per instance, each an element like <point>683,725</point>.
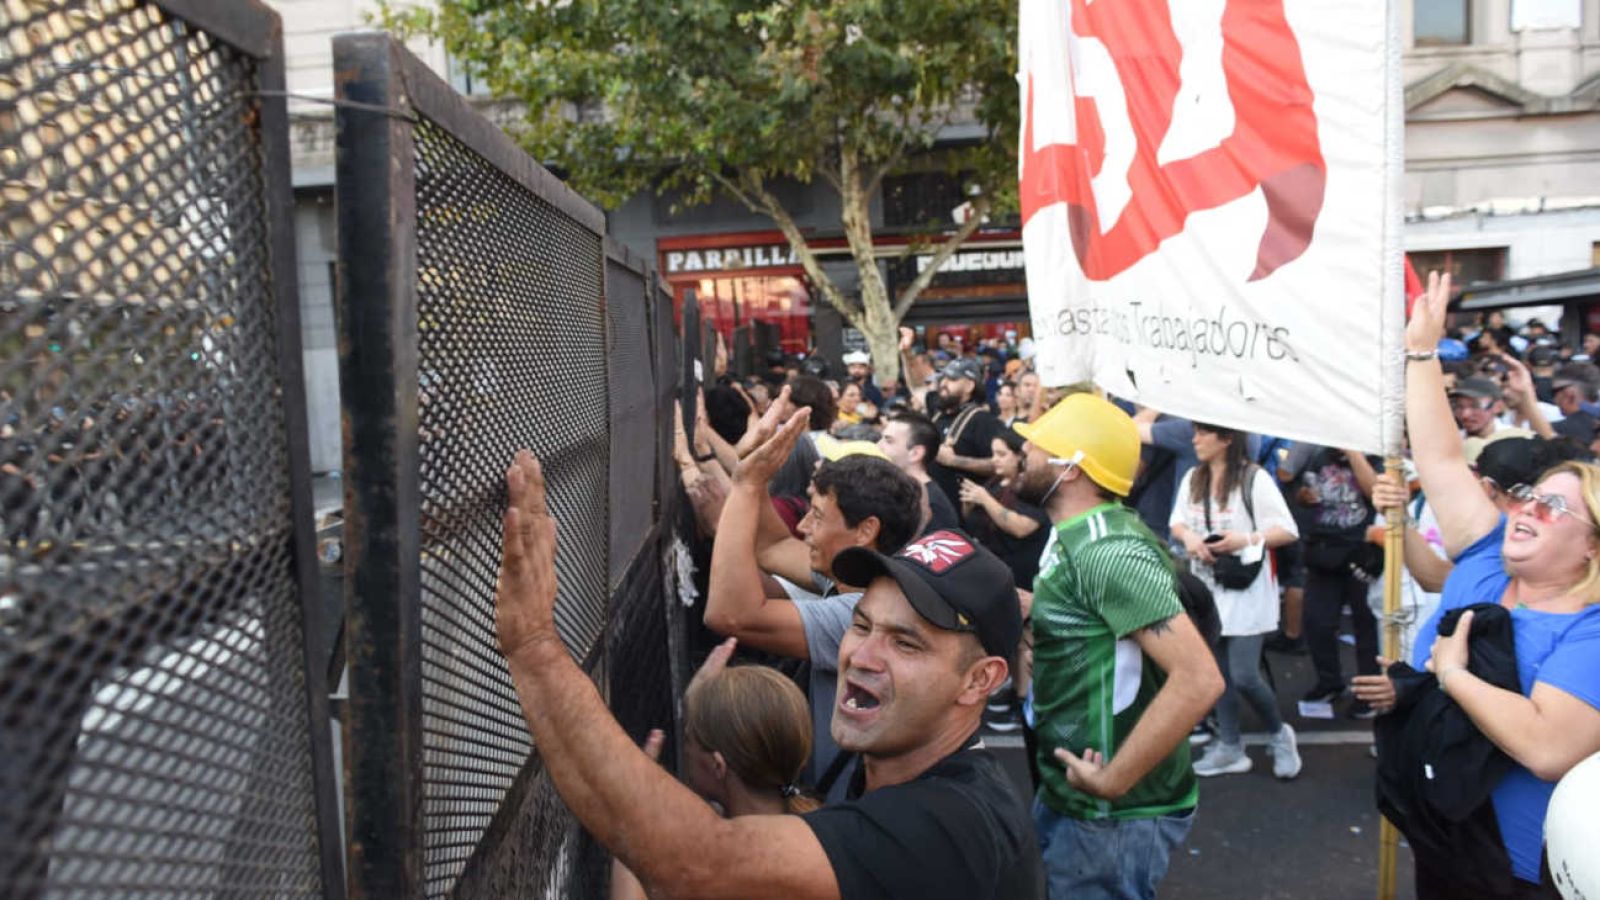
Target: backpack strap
<point>1245,486</point>
<point>959,426</point>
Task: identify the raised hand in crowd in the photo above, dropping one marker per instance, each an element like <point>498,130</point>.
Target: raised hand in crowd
<point>660,829</point>
<point>1523,398</point>
<point>716,662</point>
<point>779,411</point>
<point>525,596</point>
<point>707,495</point>
<point>709,446</point>
<point>761,462</point>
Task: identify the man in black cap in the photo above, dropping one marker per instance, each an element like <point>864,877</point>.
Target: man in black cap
<point>1477,403</point>
<point>1571,387</point>
<point>931,812</point>
<point>968,427</point>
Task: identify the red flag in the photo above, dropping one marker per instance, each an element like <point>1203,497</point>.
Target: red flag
<point>1414,288</point>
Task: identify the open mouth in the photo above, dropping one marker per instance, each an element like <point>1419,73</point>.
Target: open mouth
<point>858,698</point>
<point>1521,529</point>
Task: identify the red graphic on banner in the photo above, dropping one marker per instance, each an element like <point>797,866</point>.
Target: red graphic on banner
<point>1273,145</point>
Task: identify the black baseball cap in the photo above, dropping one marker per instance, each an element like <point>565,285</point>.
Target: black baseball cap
<point>963,368</point>
<point>1477,387</point>
<point>950,581</point>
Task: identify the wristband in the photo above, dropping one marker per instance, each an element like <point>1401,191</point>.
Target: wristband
<point>1445,673</point>
<point>1421,355</point>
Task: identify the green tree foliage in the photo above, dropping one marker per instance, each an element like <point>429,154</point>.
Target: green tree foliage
<point>694,97</point>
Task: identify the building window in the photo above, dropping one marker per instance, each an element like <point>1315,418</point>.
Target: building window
<point>1526,14</point>
<point>1478,265</point>
<point>782,300</point>
<point>1438,23</point>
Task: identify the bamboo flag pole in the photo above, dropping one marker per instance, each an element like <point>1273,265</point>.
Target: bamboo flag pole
<point>1394,535</point>
<point>1393,373</point>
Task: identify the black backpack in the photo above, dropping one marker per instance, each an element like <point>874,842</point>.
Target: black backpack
<point>1198,602</point>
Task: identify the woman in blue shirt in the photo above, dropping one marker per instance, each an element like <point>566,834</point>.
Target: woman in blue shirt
<point>1541,561</point>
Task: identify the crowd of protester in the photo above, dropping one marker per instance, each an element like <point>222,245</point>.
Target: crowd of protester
<point>963,551</point>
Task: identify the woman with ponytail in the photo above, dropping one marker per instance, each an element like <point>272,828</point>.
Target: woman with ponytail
<point>747,737</point>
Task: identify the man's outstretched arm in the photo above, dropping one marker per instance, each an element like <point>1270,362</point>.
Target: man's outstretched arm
<point>659,829</point>
<point>736,600</point>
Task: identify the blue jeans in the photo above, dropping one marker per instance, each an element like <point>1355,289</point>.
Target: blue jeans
<point>1106,859</point>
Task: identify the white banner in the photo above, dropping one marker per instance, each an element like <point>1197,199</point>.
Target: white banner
<point>1203,207</point>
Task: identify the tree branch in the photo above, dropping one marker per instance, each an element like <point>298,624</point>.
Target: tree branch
<point>754,194</point>
<point>855,215</point>
<point>980,208</point>
<point>895,158</point>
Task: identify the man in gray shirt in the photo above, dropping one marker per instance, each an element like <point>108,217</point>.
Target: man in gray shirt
<point>856,501</point>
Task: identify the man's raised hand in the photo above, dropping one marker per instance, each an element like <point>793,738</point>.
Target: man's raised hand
<point>779,410</point>
<point>716,662</point>
<point>1428,315</point>
<point>763,462</point>
<point>525,595</point>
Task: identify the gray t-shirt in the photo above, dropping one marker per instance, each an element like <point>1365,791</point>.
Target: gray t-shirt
<point>826,620</point>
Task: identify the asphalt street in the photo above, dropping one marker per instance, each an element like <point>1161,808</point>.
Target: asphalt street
<point>1255,838</point>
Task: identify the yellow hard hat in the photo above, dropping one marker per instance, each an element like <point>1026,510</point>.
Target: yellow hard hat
<point>1094,433</point>
<point>833,449</point>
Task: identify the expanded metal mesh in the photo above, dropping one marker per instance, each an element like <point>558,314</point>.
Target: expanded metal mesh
<point>153,720</point>
<point>511,354</point>
<point>633,420</point>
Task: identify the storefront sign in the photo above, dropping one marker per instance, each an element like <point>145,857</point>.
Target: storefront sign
<point>986,261</point>
<point>766,256</point>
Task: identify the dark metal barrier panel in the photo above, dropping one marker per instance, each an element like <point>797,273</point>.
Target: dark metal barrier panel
<point>473,324</point>
<point>633,420</point>
<point>160,732</point>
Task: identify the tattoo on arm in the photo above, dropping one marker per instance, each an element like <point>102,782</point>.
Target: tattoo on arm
<point>1161,627</point>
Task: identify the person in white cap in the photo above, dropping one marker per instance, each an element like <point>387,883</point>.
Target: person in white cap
<point>858,363</point>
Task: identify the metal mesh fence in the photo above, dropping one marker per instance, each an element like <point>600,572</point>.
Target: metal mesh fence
<point>153,719</point>
<point>633,404</point>
<point>483,312</point>
<point>511,354</point>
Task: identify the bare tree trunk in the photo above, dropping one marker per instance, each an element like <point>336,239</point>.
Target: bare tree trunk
<point>877,320</point>
<point>877,317</point>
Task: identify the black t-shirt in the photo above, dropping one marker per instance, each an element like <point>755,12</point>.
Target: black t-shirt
<point>1020,554</point>
<point>959,830</point>
<point>944,515</point>
<point>1341,512</point>
<point>975,441</point>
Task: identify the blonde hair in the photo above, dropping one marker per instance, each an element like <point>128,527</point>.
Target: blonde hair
<point>760,723</point>
<point>1589,484</point>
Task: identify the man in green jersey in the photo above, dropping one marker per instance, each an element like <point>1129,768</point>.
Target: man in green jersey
<point>1120,673</point>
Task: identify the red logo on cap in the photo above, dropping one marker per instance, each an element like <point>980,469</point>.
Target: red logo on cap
<point>938,551</point>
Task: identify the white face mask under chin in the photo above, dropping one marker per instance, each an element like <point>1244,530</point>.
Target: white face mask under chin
<point>1069,464</point>
<point>1053,485</point>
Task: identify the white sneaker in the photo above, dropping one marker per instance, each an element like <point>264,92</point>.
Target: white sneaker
<point>1222,759</point>
<point>1285,752</point>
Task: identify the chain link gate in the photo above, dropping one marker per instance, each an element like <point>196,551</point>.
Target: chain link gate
<point>482,310</point>
<point>161,729</point>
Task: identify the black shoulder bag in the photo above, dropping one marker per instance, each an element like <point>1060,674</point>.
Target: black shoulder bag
<point>1230,572</point>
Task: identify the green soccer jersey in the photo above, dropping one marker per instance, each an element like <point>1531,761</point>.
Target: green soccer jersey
<point>1104,577</point>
